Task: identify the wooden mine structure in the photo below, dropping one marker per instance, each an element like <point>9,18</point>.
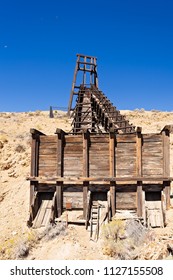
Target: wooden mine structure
<point>102,167</point>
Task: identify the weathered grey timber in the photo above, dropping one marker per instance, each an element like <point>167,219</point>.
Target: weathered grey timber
<point>130,167</point>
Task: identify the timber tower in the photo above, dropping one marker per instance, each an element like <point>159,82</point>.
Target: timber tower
<point>93,110</point>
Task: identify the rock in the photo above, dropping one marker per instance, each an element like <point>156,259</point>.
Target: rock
<point>12,174</point>
<point>1,145</point>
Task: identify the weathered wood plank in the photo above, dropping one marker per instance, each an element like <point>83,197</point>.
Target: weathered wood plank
<point>48,161</point>
<point>47,157</point>
<point>94,140</point>
<point>126,200</point>
<point>152,138</point>
<point>72,157</point>
<point>47,145</point>
<point>68,149</point>
<point>85,195</point>
<point>99,148</point>
<point>47,151</point>
<point>153,171</point>
<point>166,152</point>
<point>167,194</point>
<point>48,139</point>
<point>73,139</point>
<point>139,199</point>
<point>59,198</point>
<point>113,197</point>
<point>125,139</point>
<point>47,173</point>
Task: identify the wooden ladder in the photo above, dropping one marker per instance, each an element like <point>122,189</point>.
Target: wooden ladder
<point>94,221</point>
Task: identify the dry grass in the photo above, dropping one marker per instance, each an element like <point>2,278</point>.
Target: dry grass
<point>122,239</point>
<point>52,231</point>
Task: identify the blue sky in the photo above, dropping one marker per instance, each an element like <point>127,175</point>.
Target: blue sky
<point>132,40</point>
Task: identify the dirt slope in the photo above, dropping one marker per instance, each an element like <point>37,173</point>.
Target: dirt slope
<point>14,192</point>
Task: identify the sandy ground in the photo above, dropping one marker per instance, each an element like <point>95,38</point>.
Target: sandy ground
<point>15,150</point>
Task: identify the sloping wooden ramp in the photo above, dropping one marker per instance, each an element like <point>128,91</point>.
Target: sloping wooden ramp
<point>154,214</point>
<point>44,213</point>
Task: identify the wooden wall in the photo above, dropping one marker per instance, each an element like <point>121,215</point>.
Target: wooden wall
<point>125,156</point>
<point>47,162</point>
<point>152,155</point>
<point>100,156</point>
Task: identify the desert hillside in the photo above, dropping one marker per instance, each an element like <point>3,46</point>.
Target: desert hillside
<point>15,150</point>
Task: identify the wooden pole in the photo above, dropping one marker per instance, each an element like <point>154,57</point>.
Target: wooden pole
<point>112,170</point>
<point>60,150</point>
<point>34,169</point>
<point>34,155</point>
<point>59,184</point>
<point>140,200</point>
<point>166,165</point>
<point>113,197</point>
<point>85,169</point>
<point>166,153</point>
<point>59,200</point>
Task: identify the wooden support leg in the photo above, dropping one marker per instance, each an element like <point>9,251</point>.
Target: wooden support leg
<point>167,194</point>
<point>59,186</point>
<point>85,194</point>
<point>139,199</point>
<point>32,190</point>
<point>32,209</point>
<point>113,197</point>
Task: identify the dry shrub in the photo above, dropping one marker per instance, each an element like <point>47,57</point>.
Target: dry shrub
<point>115,243</point>
<point>123,238</point>
<point>20,148</point>
<point>21,250</point>
<point>23,246</point>
<point>52,231</point>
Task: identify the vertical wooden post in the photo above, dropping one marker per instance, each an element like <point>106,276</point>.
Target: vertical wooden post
<point>32,190</point>
<point>139,199</point>
<point>34,151</point>
<point>166,185</point>
<point>59,184</point>
<point>166,153</point>
<point>85,195</point>
<point>85,169</point>
<point>113,197</point>
<point>34,170</point>
<point>59,200</point>
<point>166,164</point>
<point>139,152</point>
<point>139,172</point>
<point>60,149</point>
<point>112,169</point>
